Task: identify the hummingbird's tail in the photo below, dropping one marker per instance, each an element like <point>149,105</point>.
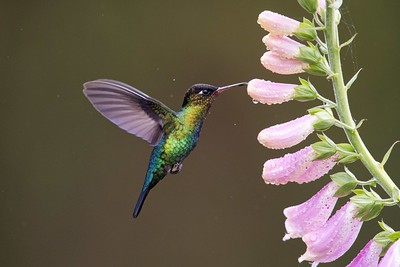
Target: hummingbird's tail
<point>139,203</point>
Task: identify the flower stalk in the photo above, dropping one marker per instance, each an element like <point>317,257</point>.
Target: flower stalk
<point>343,108</point>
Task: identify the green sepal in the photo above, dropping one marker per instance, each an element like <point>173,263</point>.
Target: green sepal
<point>348,159</point>
<point>309,5</point>
<point>325,120</point>
<point>316,69</point>
<point>369,204</point>
<point>347,154</point>
<point>386,237</point>
<point>306,31</point>
<point>323,150</point>
<point>346,181</point>
<point>394,236</point>
<point>309,54</point>
<point>305,91</point>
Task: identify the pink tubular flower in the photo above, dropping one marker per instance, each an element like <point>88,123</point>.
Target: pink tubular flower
<point>277,24</point>
<point>298,167</point>
<point>267,92</point>
<point>287,134</point>
<point>334,238</point>
<point>368,256</point>
<point>312,214</point>
<point>273,62</point>
<point>392,256</point>
<point>282,45</point>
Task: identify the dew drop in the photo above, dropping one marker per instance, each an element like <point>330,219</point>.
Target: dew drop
<point>255,101</point>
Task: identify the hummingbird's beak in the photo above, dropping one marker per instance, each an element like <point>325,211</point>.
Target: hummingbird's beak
<point>223,88</point>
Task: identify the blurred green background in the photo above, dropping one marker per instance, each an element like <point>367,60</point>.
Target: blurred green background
<point>70,178</point>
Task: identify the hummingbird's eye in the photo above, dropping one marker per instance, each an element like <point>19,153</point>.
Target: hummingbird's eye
<point>205,92</point>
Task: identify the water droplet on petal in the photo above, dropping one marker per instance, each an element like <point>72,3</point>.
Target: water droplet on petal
<point>255,101</point>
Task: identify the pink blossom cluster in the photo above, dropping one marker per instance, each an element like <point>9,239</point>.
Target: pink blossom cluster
<point>327,236</point>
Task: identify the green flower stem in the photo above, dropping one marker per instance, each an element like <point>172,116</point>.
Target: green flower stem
<point>343,108</point>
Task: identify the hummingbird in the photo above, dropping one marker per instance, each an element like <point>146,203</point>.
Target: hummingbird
<point>172,134</point>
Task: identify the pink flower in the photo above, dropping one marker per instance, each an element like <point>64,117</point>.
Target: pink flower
<point>298,167</point>
<point>312,214</point>
<point>368,256</point>
<point>392,256</point>
<point>267,92</point>
<point>282,45</point>
<point>273,62</point>
<point>287,134</point>
<point>334,238</point>
<point>277,24</point>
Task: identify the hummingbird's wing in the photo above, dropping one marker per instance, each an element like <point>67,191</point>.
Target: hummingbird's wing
<point>129,108</point>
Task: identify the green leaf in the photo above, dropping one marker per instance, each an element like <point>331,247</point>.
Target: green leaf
<point>353,79</point>
<point>387,155</point>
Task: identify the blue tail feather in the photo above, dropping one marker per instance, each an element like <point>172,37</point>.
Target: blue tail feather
<point>139,203</point>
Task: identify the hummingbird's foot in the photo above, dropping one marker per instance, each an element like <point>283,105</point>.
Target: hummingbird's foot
<point>176,168</point>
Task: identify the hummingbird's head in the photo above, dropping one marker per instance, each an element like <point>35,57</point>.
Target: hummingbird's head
<point>204,94</point>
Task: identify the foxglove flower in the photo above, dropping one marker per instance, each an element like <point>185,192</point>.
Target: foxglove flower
<point>368,256</point>
<point>312,214</point>
<point>273,62</point>
<point>334,238</point>
<point>277,24</point>
<point>267,92</point>
<point>392,256</point>
<point>287,134</point>
<point>282,45</point>
<point>298,167</point>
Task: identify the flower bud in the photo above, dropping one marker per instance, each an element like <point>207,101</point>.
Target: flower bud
<point>277,24</point>
<point>334,238</point>
<point>267,92</point>
<point>273,62</point>
<point>282,45</point>
<point>287,134</point>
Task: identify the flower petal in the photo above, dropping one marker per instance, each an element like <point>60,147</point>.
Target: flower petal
<point>287,134</point>
<point>334,238</point>
<point>267,92</point>
<point>298,167</point>
<point>282,45</point>
<point>368,256</point>
<point>273,62</point>
<point>312,214</point>
<point>277,24</point>
<point>392,256</point>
